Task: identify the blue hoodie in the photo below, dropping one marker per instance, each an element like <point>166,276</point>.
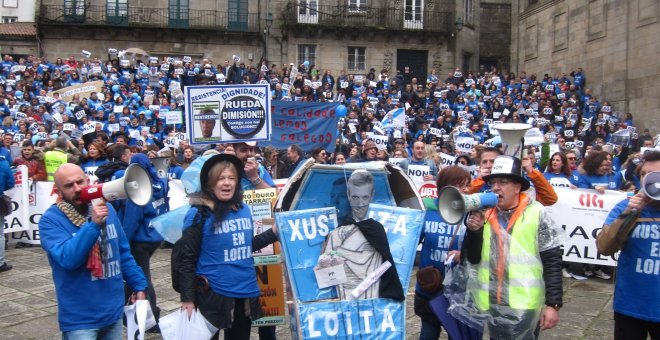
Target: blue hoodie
<point>84,302</point>
<point>136,219</point>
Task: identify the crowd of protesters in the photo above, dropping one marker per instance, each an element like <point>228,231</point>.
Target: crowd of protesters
<point>595,147</point>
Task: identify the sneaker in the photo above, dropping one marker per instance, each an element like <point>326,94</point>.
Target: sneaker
<point>565,273</point>
<point>5,267</point>
<point>588,272</point>
<point>601,275</point>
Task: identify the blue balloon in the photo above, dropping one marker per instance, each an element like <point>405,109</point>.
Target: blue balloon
<point>19,94</point>
<point>341,111</point>
<point>135,95</point>
<point>145,70</point>
<point>306,63</point>
<point>197,70</point>
<point>115,88</point>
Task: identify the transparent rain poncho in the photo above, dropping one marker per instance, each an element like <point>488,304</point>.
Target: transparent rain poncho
<point>505,292</point>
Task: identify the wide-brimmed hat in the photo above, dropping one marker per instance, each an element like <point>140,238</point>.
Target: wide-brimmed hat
<point>508,167</point>
<point>204,173</point>
<point>369,144</point>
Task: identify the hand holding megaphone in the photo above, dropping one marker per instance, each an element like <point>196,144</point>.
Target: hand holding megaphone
<point>99,211</point>
<point>476,220</point>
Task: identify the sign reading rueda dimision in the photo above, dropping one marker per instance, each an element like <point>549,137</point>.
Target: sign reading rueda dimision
<point>228,113</point>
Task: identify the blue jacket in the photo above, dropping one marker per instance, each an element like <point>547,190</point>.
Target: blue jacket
<point>6,176</point>
<point>137,220</point>
<point>83,302</point>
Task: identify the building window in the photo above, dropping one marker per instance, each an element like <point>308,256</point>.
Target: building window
<point>307,53</point>
<point>117,12</point>
<point>10,3</point>
<point>469,18</point>
<point>238,15</point>
<point>356,58</point>
<point>7,20</point>
<point>178,13</point>
<point>413,17</point>
<point>74,7</point>
<point>308,11</point>
<point>357,6</point>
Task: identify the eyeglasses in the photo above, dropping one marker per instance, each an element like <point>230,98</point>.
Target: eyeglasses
<point>499,181</point>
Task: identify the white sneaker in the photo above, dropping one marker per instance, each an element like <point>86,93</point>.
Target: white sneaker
<point>601,275</point>
<point>565,273</point>
<point>588,273</point>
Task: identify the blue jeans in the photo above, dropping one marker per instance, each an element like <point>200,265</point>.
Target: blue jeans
<point>429,331</point>
<point>111,332</point>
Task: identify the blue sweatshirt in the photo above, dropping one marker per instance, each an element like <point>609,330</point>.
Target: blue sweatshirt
<point>84,302</point>
<point>6,177</point>
<point>559,180</point>
<point>226,255</point>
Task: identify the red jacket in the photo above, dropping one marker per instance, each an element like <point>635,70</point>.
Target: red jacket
<point>36,168</point>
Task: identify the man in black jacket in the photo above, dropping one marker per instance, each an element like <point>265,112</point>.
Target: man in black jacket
<point>516,247</point>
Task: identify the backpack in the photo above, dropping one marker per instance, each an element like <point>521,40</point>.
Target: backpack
<point>195,232</point>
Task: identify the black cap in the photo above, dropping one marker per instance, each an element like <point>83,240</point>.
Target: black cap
<point>209,163</point>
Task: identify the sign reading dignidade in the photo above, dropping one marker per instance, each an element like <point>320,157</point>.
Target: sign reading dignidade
<point>228,113</point>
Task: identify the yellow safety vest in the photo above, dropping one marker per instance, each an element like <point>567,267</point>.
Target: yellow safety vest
<point>53,160</point>
<point>524,283</point>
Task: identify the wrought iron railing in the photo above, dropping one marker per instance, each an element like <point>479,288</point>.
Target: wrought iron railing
<point>369,17</point>
<point>123,15</point>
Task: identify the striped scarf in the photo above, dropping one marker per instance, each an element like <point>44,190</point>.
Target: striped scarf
<point>97,260</point>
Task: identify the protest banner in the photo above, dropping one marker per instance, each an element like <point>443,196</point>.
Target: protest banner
<point>267,261</point>
<point>581,212</point>
<point>41,197</point>
<point>362,318</point>
<point>447,159</point>
<point>381,141</point>
<point>395,160</point>
<point>228,113</point>
<point>17,220</point>
<point>465,144</point>
<point>83,90</point>
<point>309,125</point>
<point>417,173</point>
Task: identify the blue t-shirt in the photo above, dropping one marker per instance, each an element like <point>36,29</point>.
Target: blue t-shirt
<point>637,290</point>
<point>226,255</point>
<point>84,302</point>
<point>611,181</point>
<point>90,166</point>
<point>436,236</point>
<point>558,180</point>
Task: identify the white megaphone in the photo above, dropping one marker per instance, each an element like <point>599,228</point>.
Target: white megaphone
<point>650,185</point>
<point>135,185</point>
<point>513,138</point>
<point>162,164</point>
<point>452,205</point>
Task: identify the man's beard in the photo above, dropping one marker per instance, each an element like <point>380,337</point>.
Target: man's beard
<point>82,209</point>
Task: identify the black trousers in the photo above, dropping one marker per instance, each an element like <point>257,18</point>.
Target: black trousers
<point>142,253</point>
<point>629,328</point>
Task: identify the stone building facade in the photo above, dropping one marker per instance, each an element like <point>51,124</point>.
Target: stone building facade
<point>412,36</point>
<point>614,41</point>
